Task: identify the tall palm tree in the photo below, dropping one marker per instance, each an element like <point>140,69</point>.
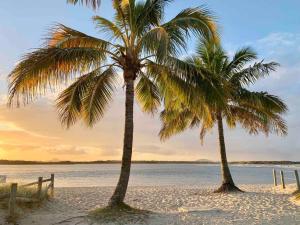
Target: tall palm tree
<point>139,44</point>
<point>219,91</point>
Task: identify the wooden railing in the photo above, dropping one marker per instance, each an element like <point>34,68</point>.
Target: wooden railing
<point>284,178</point>
<point>13,194</point>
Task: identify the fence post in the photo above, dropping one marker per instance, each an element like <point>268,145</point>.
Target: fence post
<point>2,179</point>
<point>275,177</point>
<point>282,179</point>
<point>52,185</point>
<point>40,185</point>
<point>12,199</point>
<point>297,180</point>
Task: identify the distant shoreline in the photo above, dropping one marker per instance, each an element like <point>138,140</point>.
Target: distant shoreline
<point>21,162</point>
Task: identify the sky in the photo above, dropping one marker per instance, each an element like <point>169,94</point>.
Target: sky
<point>34,132</point>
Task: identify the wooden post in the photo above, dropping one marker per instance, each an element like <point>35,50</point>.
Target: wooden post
<point>297,180</point>
<point>39,190</point>
<point>12,199</point>
<point>2,179</point>
<point>282,179</point>
<point>52,186</point>
<point>275,177</point>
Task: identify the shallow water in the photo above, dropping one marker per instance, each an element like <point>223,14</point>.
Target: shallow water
<point>89,175</point>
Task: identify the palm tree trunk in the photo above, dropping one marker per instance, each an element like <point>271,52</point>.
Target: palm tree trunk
<point>227,181</point>
<point>118,197</point>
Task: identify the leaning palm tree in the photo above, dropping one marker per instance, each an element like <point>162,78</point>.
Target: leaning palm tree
<point>219,91</point>
<point>139,44</point>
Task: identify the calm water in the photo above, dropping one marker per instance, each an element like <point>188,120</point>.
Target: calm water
<point>142,174</point>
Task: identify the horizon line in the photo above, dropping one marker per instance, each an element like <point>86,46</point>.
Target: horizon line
<point>200,161</point>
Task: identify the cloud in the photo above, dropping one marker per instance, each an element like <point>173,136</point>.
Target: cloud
<point>67,150</point>
<point>81,150</point>
<point>18,147</point>
<point>280,40</point>
<point>11,128</point>
<point>153,149</point>
<point>284,47</point>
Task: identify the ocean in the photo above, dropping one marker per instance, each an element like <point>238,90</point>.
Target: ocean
<point>90,175</point>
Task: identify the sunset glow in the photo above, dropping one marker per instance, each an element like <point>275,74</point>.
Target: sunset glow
<point>35,133</point>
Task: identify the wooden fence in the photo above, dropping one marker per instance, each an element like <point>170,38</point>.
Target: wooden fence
<point>13,194</point>
<point>284,177</point>
<point>2,179</point>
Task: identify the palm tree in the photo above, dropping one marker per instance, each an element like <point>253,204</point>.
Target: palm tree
<point>217,91</point>
<point>139,44</point>
<point>93,3</point>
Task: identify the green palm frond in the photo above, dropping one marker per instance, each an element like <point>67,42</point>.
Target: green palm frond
<point>198,20</point>
<point>69,102</point>
<point>186,69</point>
<point>110,27</point>
<point>122,14</point>
<point>207,123</point>
<point>64,37</point>
<point>99,95</point>
<point>252,73</point>
<point>157,42</point>
<point>252,120</point>
<point>92,3</point>
<point>148,94</point>
<point>278,125</point>
<point>49,67</point>
<point>240,58</point>
<point>256,120</point>
<point>212,55</point>
<point>174,122</point>
<point>262,100</point>
<point>170,83</point>
<point>148,14</point>
<point>170,38</point>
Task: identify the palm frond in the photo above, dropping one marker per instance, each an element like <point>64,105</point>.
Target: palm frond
<point>241,58</point>
<point>262,100</point>
<point>98,96</point>
<point>148,94</point>
<point>122,14</point>
<point>49,67</point>
<point>148,14</point>
<point>110,27</point>
<point>174,122</point>
<point>199,20</point>
<point>69,102</point>
<point>92,3</point>
<point>252,73</point>
<point>169,39</point>
<point>156,42</point>
<point>256,120</point>
<point>65,37</point>
<point>207,124</point>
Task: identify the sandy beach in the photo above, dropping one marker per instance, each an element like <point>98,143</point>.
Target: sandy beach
<point>170,205</point>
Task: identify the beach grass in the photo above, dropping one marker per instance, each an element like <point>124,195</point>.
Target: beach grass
<point>27,196</point>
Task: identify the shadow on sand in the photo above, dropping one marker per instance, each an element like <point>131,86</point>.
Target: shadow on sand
<point>128,215</point>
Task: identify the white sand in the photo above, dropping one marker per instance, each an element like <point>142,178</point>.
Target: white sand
<point>171,205</point>
<point>290,189</point>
